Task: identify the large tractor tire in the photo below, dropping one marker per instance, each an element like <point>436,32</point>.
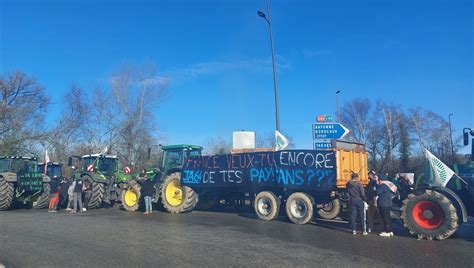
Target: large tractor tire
<point>98,193</point>
<point>43,199</point>
<point>267,206</point>
<point>429,215</point>
<point>7,192</point>
<point>131,197</point>
<point>299,208</point>
<point>176,198</point>
<point>330,210</point>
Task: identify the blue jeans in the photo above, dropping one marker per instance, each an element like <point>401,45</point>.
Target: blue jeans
<point>357,207</point>
<point>148,206</point>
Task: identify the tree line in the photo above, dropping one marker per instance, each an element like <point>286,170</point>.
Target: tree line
<point>117,116</point>
<point>395,138</point>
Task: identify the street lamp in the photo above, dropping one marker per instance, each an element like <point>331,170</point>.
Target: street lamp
<point>337,106</point>
<point>451,137</point>
<point>268,20</point>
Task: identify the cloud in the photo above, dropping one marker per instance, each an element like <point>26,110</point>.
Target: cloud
<point>309,53</point>
<point>210,68</point>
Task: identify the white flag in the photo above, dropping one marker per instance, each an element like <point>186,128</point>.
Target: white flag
<point>281,141</point>
<point>104,151</point>
<point>46,161</point>
<point>439,173</point>
<point>46,157</point>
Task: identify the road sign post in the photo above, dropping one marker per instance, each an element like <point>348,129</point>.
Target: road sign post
<point>331,131</point>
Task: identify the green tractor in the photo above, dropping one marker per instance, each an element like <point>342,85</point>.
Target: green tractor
<point>102,172</point>
<point>174,197</point>
<point>21,183</point>
<point>54,170</point>
<point>435,212</point>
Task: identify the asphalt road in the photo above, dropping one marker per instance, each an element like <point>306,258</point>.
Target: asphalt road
<point>115,238</point>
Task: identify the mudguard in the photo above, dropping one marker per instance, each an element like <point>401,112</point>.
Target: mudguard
<point>9,176</point>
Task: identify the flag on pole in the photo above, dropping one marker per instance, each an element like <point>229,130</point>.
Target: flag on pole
<point>46,161</point>
<point>281,141</point>
<point>104,151</point>
<point>438,172</point>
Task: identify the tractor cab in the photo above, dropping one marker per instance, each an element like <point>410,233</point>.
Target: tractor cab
<point>18,164</point>
<point>53,169</point>
<point>174,156</point>
<point>105,164</point>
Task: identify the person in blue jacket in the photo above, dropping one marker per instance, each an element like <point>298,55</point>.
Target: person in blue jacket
<point>384,204</point>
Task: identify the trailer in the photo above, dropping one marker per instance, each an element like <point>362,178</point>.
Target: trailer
<point>300,181</point>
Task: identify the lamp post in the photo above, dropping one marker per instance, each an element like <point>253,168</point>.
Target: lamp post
<point>337,106</point>
<point>268,20</point>
<point>451,137</point>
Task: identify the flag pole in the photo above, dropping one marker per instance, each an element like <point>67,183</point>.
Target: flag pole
<point>461,179</point>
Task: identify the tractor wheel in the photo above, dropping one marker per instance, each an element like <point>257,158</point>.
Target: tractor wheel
<point>131,197</point>
<point>267,206</point>
<point>429,215</point>
<point>98,192</point>
<point>330,210</point>
<point>7,192</point>
<point>176,198</point>
<point>43,199</point>
<point>299,208</point>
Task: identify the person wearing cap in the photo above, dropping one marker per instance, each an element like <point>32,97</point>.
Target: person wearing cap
<point>357,202</point>
<point>371,193</point>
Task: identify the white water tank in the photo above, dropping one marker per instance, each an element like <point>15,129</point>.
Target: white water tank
<point>243,140</point>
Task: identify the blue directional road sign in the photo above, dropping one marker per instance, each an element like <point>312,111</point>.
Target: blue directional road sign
<point>322,144</point>
<point>329,131</point>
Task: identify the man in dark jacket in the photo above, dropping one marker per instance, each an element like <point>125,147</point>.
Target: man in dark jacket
<point>356,201</point>
<point>78,194</point>
<point>148,188</point>
<point>384,203</point>
<point>370,193</point>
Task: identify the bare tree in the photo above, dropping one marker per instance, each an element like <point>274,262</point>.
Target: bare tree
<point>67,133</point>
<point>356,116</point>
<point>23,107</point>
<point>391,117</point>
<point>218,146</point>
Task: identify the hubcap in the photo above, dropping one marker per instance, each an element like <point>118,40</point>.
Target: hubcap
<point>131,198</point>
<point>264,206</point>
<point>174,193</point>
<point>298,208</point>
<point>428,214</point>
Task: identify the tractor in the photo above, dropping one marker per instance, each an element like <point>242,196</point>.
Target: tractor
<point>54,170</point>
<point>102,172</point>
<point>20,183</point>
<point>432,212</point>
<point>174,198</point>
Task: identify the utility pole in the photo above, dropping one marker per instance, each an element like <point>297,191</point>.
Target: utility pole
<point>268,19</point>
<point>337,106</point>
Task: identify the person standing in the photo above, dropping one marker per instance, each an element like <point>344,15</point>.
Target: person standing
<point>357,202</point>
<point>78,195</point>
<point>371,193</point>
<point>148,189</point>
<point>87,189</point>
<point>384,203</point>
<point>54,186</point>
<point>405,187</point>
<point>70,196</point>
<point>63,192</point>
